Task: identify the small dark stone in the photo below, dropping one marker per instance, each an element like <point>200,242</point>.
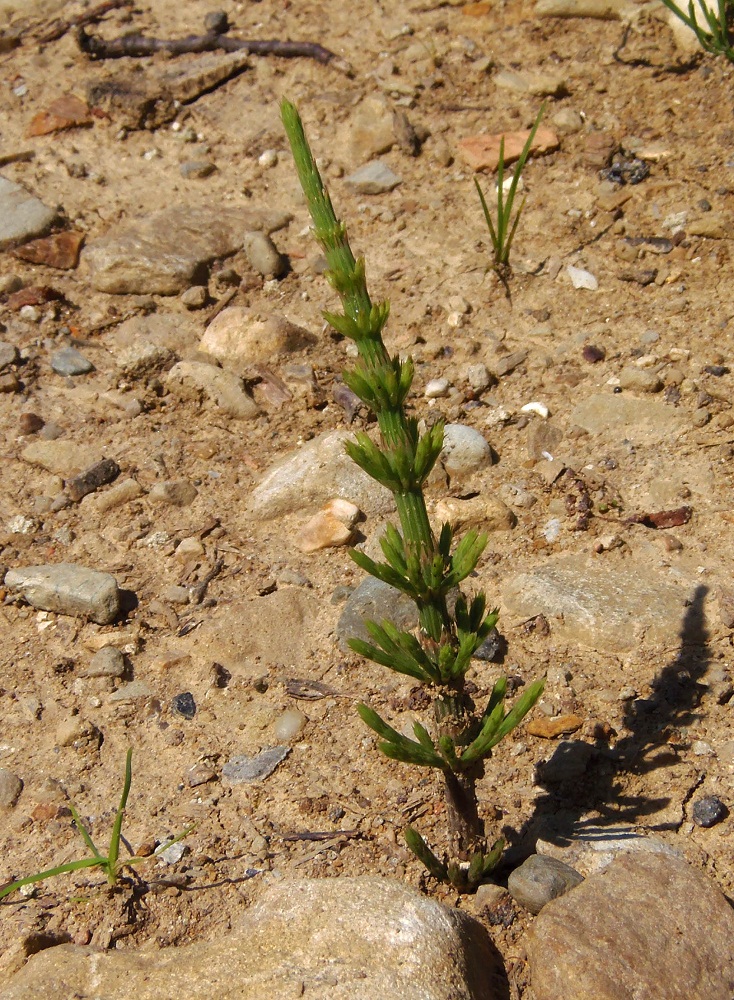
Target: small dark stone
<point>216,22</point>
<point>592,354</point>
<point>709,810</point>
<point>490,648</point>
<point>716,370</point>
<point>617,389</point>
<point>184,705</point>
<point>29,423</point>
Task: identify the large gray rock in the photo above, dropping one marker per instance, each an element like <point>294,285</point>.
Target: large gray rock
<point>647,926</point>
<point>598,606</point>
<point>161,254</point>
<point>22,216</point>
<point>319,471</point>
<point>328,939</point>
<point>374,601</point>
<point>68,589</point>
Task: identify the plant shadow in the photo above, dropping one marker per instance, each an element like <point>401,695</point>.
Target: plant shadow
<point>581,777</point>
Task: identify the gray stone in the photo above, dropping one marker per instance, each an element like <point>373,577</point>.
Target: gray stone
<point>263,256</point>
<point>330,939</point>
<point>8,354</point>
<point>464,450</point>
<point>641,379</point>
<point>196,169</point>
<point>368,132</point>
<point>598,607</point>
<point>373,178</point>
<point>22,216</point>
<point>244,769</point>
<point>541,84</point>
<point>318,472</point>
<point>132,691</point>
<point>106,662</point>
<point>242,338</point>
<point>590,849</point>
<point>10,788</point>
<point>208,384</point>
<point>161,254</point>
<point>540,879</point>
<point>179,493</point>
<point>708,811</point>
<point>69,361</point>
<point>569,762</point>
<point>68,589</point>
<point>647,926</point>
<point>374,600</point>
<point>642,421</point>
<point>195,297</point>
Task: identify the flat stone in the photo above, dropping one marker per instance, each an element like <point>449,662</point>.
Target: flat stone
<point>319,471</point>
<point>200,74</point>
<point>238,336</point>
<point>22,216</point>
<point>590,849</point>
<point>162,253</point>
<point>373,178</point>
<point>178,492</point>
<point>603,10</point>
<point>640,379</point>
<point>263,256</point>
<point>10,788</point>
<point>541,84</point>
<point>368,132</point>
<point>363,938</point>
<point>242,770</point>
<point>68,589</point>
<point>482,151</point>
<point>374,600</point>
<point>540,879</point>
<point>647,926</point>
<point>8,354</point>
<point>203,383</point>
<point>485,511</point>
<point>601,608</point>
<point>61,457</point>
<point>69,361</point>
<point>324,530</point>
<point>106,662</point>
<point>640,420</point>
<point>132,692</point>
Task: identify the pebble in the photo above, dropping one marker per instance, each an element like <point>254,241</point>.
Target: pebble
<point>540,84</point>
<point>69,361</point>
<point>106,662</point>
<point>124,492</point>
<point>195,297</point>
<point>263,255</point>
<point>478,377</point>
<point>197,169</point>
<point>330,527</point>
<point>538,408</point>
<point>373,178</point>
<point>68,589</point>
<point>539,880</point>
<point>484,510</point>
<point>236,335</point>
<point>641,379</point>
<point>244,769</point>
<point>268,158</point>
<point>10,283</point>
<point>173,854</point>
<point>132,692</point>
<point>373,600</point>
<point>436,388</point>
<point>507,363</point>
<point>10,788</point>
<point>464,450</point>
<point>22,216</point>
<point>8,354</point>
<point>178,493</point>
<point>708,811</point>
<point>200,774</point>
<point>184,705</point>
<point>289,724</point>
<point>91,479</point>
<point>581,278</point>
<point>567,121</point>
<point>549,728</point>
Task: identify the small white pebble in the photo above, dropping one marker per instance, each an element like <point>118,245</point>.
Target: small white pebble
<point>647,361</point>
<point>582,279</point>
<point>436,388</point>
<point>289,724</point>
<point>30,313</point>
<point>455,319</point>
<point>151,154</point>
<point>268,158</point>
<point>540,408</point>
<point>679,354</point>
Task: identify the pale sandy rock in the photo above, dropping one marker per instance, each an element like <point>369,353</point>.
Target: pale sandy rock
<point>603,10</point>
<point>540,84</point>
<point>647,926</point>
<point>115,496</point>
<point>640,379</point>
<point>263,256</point>
<point>484,511</point>
<point>236,335</point>
<point>465,450</point>
<point>67,589</point>
<point>640,420</point>
<point>331,939</point>
<point>61,457</point>
<point>317,472</point>
<point>599,607</point>
<point>207,384</point>
<point>323,531</point>
<point>160,254</point>
<point>368,133</point>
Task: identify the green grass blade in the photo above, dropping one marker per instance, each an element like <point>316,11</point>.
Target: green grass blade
<point>84,832</point>
<point>117,825</point>
<point>71,866</point>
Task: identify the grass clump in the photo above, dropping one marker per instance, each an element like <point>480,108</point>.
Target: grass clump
<point>717,34</point>
<point>110,863</point>
<point>428,568</point>
<point>503,232</point>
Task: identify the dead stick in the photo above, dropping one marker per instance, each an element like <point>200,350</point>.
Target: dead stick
<point>140,45</point>
<point>57,29</point>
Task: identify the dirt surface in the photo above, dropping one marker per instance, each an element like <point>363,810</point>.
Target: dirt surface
<point>654,710</point>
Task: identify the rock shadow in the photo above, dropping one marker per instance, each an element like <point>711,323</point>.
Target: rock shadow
<point>582,776</point>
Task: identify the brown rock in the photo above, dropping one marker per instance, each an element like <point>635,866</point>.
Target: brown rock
<point>67,111</point>
<point>548,729</point>
<point>482,152</point>
<point>647,926</point>
<point>60,250</point>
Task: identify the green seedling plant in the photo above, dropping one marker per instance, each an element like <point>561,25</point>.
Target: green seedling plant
<point>719,20</point>
<point>503,232</point>
<point>111,863</point>
<point>428,568</point>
